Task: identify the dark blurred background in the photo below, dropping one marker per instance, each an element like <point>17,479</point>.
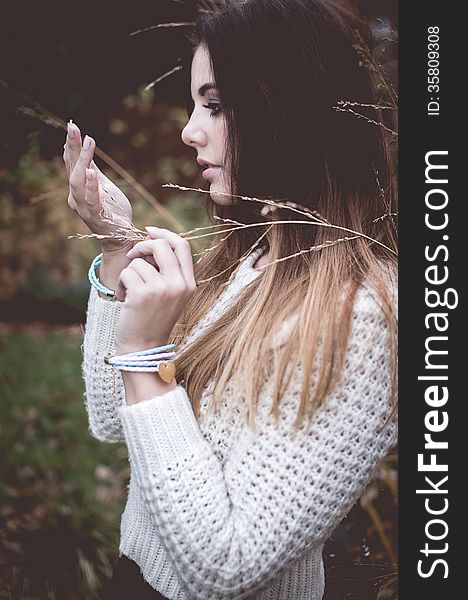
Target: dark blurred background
<point>61,491</point>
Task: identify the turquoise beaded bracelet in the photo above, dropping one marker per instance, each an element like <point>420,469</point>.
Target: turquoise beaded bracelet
<point>95,281</point>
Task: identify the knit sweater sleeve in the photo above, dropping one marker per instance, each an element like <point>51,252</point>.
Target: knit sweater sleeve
<point>229,529</point>
<point>104,390</point>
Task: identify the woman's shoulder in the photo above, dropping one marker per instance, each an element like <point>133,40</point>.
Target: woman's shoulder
<point>374,316</point>
<point>368,306</point>
<point>369,296</point>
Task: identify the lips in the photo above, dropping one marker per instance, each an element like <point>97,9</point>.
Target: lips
<point>205,164</point>
<point>210,171</point>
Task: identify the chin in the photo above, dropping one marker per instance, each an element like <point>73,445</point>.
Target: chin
<point>220,198</point>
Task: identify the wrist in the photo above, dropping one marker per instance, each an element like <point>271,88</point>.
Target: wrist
<point>131,348</point>
<point>112,263</point>
<point>140,386</point>
<point>117,251</point>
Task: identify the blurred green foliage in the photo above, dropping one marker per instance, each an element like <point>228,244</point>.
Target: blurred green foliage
<point>61,491</point>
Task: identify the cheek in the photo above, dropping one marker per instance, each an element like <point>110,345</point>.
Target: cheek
<point>219,133</point>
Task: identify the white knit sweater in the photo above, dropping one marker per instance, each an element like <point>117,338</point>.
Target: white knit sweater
<point>215,511</point>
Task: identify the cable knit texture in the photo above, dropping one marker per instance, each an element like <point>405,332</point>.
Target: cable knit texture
<point>215,511</point>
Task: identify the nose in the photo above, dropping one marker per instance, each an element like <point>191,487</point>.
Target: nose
<point>192,134</point>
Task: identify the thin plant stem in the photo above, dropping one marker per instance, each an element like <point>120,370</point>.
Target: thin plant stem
<point>161,25</point>
<point>377,521</point>
<point>163,76</point>
<point>345,103</point>
<point>275,204</point>
<point>385,216</point>
<point>316,222</point>
<point>254,245</point>
<point>372,121</point>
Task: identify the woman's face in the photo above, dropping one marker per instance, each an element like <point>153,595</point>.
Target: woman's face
<point>206,128</point>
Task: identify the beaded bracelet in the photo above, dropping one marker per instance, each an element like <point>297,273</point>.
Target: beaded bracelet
<point>95,281</point>
<point>151,360</point>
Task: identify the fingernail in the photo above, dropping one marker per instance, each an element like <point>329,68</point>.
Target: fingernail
<point>150,228</point>
<point>70,131</point>
<point>86,143</point>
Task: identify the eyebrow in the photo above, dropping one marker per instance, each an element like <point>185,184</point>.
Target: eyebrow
<point>205,87</point>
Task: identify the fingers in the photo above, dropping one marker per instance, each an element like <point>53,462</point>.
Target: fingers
<point>92,189</point>
<point>66,159</point>
<point>163,254</point>
<point>149,274</point>
<point>78,175</point>
<point>128,279</point>
<point>180,247</point>
<point>138,278</point>
<point>85,156</point>
<point>72,203</point>
<point>73,143</point>
<point>73,146</point>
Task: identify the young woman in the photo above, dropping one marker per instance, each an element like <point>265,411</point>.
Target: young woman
<point>283,403</point>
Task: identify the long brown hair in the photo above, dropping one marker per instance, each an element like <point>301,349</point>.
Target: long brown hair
<point>281,67</point>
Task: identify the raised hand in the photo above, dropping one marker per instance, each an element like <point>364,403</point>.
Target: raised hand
<point>93,196</point>
<point>153,295</point>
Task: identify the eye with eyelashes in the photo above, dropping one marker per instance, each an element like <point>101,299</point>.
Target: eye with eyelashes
<point>214,106</point>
